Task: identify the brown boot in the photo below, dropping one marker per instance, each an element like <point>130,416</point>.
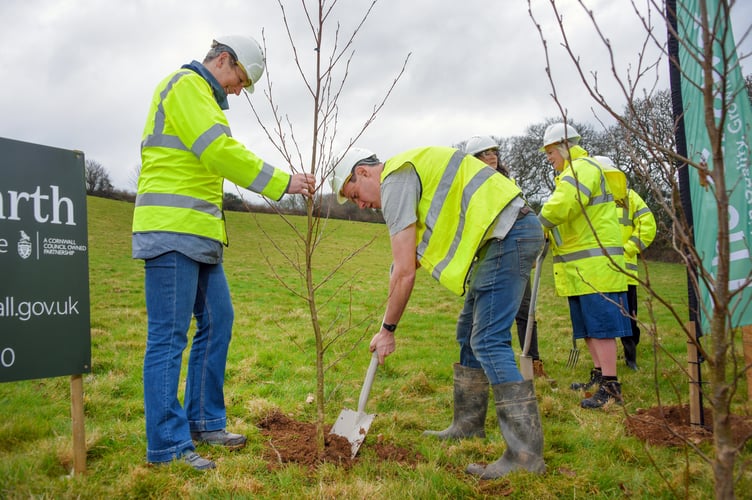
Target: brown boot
<point>538,370</point>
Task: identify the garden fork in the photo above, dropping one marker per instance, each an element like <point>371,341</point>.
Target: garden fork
<point>574,354</point>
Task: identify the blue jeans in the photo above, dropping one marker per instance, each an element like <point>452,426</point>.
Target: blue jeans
<point>495,287</point>
<point>177,288</point>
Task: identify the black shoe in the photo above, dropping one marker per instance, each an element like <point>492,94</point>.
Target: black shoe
<point>633,365</point>
<point>609,390</point>
<point>221,438</point>
<point>595,378</point>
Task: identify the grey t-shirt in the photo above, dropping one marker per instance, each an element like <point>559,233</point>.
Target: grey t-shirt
<point>400,193</point>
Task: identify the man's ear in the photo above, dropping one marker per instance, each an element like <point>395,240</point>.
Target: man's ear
<point>362,171</point>
<point>225,58</point>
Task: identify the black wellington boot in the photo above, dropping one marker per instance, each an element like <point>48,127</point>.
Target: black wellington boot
<point>520,424</point>
<point>470,405</point>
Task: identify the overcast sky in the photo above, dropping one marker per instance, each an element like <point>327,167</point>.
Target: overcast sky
<point>79,74</point>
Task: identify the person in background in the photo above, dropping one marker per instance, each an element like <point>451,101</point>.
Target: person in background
<point>580,220</point>
<point>179,231</point>
<point>486,150</point>
<point>424,194</point>
<point>638,231</point>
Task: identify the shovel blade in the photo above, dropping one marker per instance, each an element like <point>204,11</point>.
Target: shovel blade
<point>526,367</point>
<point>353,426</point>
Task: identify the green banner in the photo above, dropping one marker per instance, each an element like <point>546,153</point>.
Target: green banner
<point>731,95</point>
<point>44,263</point>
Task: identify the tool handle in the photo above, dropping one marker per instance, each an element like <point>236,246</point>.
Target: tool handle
<point>366,390</point>
<point>534,300</point>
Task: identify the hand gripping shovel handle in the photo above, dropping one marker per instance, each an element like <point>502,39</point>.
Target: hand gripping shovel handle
<point>534,300</point>
<point>370,375</point>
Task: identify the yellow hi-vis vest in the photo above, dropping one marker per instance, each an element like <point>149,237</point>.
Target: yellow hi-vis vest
<point>637,231</point>
<point>186,153</point>
<point>460,199</point>
<point>584,197</point>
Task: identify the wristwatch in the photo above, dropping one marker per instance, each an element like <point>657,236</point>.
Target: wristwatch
<point>389,327</point>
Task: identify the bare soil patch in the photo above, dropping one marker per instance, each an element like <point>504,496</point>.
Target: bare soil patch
<point>670,426</point>
<point>291,441</point>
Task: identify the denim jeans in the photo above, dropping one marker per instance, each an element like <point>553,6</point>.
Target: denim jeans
<point>496,283</point>
<point>178,287</point>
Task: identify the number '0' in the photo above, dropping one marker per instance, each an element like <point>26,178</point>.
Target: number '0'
<point>7,357</point>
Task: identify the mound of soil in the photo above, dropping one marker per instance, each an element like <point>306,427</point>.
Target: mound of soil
<point>670,426</point>
<point>291,441</point>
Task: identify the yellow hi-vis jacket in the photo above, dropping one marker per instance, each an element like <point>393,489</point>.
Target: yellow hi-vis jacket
<point>637,231</point>
<point>460,199</point>
<point>186,153</point>
<point>585,197</point>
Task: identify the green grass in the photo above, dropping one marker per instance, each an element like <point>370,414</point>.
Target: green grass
<point>271,365</point>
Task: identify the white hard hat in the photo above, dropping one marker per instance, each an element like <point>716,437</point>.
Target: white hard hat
<point>249,54</point>
<point>605,160</point>
<point>478,143</point>
<point>342,166</point>
<point>616,179</point>
<point>558,132</point>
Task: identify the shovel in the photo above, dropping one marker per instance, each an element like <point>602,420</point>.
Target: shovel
<point>526,361</point>
<point>354,425</point>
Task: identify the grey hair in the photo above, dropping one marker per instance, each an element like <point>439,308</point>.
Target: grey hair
<point>216,50</point>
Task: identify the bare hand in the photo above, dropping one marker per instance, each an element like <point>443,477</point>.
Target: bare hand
<point>384,345</point>
<point>304,184</point>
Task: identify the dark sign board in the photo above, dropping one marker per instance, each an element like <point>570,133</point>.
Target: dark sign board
<point>44,263</point>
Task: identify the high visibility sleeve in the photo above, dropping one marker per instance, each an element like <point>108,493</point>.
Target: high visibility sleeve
<point>201,125</point>
<point>643,223</point>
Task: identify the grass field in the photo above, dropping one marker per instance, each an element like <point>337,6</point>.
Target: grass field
<point>271,365</point>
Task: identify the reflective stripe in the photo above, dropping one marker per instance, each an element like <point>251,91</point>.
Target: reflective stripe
<point>262,179</point>
<point>467,193</point>
<point>605,196</point>
<point>157,138</point>
<point>601,199</point>
<point>642,211</point>
<point>163,141</point>
<point>159,116</point>
<point>204,140</point>
<point>624,220</point>
<point>442,191</point>
<point>585,254</point>
<point>177,201</point>
<point>545,222</point>
<point>579,187</point>
<point>638,242</point>
<point>631,267</point>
